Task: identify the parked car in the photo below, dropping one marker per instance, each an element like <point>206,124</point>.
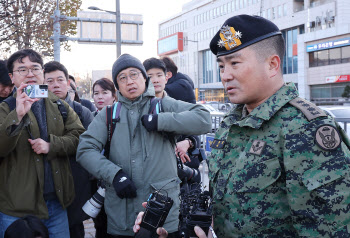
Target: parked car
<point>219,105</point>
<point>341,115</point>
<point>216,116</point>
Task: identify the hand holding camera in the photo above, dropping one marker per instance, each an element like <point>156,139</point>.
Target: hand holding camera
<point>124,186</point>
<point>23,102</point>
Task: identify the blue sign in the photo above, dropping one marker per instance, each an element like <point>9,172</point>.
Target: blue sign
<point>208,140</point>
<point>328,45</point>
<point>168,44</point>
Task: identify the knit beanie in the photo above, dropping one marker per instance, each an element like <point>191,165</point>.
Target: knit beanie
<point>127,61</point>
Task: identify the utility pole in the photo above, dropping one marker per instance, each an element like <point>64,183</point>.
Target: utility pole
<point>118,31</point>
<point>56,33</point>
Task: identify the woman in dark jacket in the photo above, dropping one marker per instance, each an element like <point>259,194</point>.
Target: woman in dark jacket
<point>104,94</point>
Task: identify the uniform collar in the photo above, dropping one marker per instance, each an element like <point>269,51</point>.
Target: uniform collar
<point>264,111</point>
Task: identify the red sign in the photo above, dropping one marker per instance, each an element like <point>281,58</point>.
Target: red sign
<point>338,79</point>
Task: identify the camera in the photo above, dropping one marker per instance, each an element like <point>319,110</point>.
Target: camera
<point>36,91</point>
<point>93,206</point>
<point>195,210</point>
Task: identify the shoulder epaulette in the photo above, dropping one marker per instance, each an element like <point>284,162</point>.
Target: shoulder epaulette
<point>310,110</point>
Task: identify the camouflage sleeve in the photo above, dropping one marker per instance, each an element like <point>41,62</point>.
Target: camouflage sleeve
<point>315,160</point>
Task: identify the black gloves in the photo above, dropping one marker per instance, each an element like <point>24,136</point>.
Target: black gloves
<point>124,187</point>
<point>150,122</point>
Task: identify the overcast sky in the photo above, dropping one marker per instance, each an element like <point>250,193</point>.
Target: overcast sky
<point>84,58</point>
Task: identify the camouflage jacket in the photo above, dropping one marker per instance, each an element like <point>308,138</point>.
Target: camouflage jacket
<point>281,171</point>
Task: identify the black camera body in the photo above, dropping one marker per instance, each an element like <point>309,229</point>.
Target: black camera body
<point>157,210</point>
<point>195,210</point>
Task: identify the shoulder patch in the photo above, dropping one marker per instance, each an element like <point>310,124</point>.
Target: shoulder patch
<point>310,110</point>
<point>327,137</point>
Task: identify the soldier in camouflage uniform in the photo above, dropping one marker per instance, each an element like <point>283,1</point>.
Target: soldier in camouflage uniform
<point>279,164</point>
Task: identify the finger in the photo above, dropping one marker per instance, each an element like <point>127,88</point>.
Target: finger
<point>183,159</point>
<point>139,218</point>
<point>199,232</point>
<point>144,204</point>
<point>162,232</point>
<point>21,87</point>
<point>136,228</point>
<point>187,157</point>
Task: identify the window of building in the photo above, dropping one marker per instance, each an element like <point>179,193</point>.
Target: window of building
<point>229,6</point>
<point>237,5</point>
<point>280,11</point>
<point>345,54</point>
<point>290,60</point>
<point>268,13</point>
<point>327,91</point>
<point>273,13</point>
<point>207,67</point>
<point>335,56</point>
<point>244,3</point>
<point>249,2</point>
<point>323,58</point>
<point>240,4</point>
<point>285,9</point>
<point>232,6</point>
<point>264,14</point>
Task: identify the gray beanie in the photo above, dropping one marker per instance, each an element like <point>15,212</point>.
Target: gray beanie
<point>126,61</point>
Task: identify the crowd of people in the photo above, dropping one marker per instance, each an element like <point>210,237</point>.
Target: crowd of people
<point>279,165</point>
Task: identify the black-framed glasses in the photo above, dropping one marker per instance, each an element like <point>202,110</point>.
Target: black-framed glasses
<point>132,75</point>
<point>25,71</point>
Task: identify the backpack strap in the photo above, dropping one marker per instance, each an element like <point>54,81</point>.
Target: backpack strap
<point>78,108</point>
<point>63,110</point>
<point>11,102</point>
<point>112,117</point>
<point>156,106</point>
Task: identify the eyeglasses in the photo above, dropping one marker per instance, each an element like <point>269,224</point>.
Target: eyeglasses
<point>133,75</point>
<point>25,71</point>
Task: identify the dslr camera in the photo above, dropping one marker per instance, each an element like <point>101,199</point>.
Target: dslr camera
<point>195,210</point>
<point>93,206</point>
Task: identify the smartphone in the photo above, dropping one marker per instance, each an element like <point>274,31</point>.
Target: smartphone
<point>36,91</point>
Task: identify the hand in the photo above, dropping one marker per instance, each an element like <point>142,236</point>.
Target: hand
<point>160,231</point>
<point>23,102</point>
<point>124,186</point>
<point>150,122</point>
<point>201,234</point>
<point>181,150</point>
<point>40,146</point>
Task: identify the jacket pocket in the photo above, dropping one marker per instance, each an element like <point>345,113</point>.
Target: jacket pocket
<point>326,184</point>
<point>116,210</point>
<point>171,188</point>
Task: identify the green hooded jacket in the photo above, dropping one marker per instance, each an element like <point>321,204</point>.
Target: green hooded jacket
<point>22,170</point>
<point>147,157</point>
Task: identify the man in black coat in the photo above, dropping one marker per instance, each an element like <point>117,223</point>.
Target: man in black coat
<point>179,86</point>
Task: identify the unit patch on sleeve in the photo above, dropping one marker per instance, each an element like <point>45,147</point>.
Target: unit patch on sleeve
<point>327,137</point>
<point>218,144</point>
<point>257,147</point>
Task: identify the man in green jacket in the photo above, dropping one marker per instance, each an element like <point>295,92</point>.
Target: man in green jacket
<point>35,143</point>
<point>141,159</point>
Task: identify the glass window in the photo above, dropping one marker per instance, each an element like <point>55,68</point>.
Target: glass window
<point>211,13</point>
<point>345,54</point>
<point>335,56</point>
<point>312,59</point>
<point>244,3</point>
<point>280,11</point>
<point>218,11</point>
<point>240,4</point>
<point>224,9</point>
<point>322,58</point>
<point>249,2</point>
<point>289,52</point>
<point>285,9</point>
<point>263,14</point>
<point>273,13</point>
<point>237,4</point>
<point>233,6</point>
<point>229,7</point>
<point>207,67</point>
<point>268,15</point>
<point>202,18</point>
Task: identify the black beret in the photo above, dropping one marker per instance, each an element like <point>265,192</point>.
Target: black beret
<point>241,31</point>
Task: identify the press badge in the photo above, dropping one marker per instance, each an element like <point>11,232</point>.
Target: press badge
<point>218,144</point>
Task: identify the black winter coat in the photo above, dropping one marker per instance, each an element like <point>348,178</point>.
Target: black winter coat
<point>180,87</point>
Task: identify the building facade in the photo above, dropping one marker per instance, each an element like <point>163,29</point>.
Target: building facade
<point>316,33</point>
